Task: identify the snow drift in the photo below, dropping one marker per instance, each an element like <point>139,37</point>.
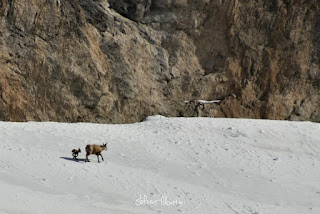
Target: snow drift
<point>162,165</point>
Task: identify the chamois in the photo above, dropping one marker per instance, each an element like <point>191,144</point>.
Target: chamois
<point>75,153</point>
<point>96,150</point>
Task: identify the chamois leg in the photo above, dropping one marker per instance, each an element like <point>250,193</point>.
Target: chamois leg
<point>87,160</point>
<point>101,157</point>
<point>98,158</point>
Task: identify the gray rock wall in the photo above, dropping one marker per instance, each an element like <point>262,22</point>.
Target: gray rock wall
<point>119,61</point>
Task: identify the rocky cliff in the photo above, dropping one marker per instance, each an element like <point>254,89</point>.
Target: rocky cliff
<point>118,61</point>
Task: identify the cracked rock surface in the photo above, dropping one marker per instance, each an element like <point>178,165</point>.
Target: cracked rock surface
<point>119,61</point>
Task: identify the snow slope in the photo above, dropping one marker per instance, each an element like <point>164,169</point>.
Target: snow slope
<point>179,165</point>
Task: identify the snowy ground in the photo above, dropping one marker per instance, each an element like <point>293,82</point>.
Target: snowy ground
<point>179,165</point>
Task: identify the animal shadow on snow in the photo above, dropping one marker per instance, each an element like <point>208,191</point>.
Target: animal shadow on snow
<point>71,159</point>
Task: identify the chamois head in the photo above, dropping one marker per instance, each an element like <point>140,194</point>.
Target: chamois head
<point>76,151</point>
<point>104,145</point>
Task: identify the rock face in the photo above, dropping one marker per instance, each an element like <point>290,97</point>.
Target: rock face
<point>119,61</point>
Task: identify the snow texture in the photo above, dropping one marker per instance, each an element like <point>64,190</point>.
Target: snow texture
<point>203,101</point>
<point>162,165</point>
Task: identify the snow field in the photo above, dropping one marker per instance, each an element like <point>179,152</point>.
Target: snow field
<point>182,165</point>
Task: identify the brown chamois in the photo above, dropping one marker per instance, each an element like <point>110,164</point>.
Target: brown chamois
<point>75,153</point>
<point>95,150</point>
